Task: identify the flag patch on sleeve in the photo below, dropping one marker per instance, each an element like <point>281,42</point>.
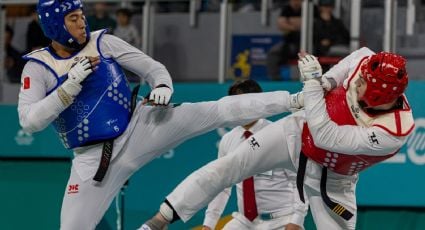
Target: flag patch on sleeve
<point>26,83</point>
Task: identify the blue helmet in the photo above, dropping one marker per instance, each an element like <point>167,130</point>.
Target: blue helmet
<point>52,13</point>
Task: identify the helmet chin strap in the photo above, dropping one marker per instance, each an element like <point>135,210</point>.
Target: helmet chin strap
<point>77,46</point>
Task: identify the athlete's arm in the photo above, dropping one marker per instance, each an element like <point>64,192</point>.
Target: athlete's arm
<point>339,72</point>
<point>36,110</point>
<point>134,60</point>
<point>347,139</point>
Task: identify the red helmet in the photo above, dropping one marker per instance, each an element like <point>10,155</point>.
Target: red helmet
<point>386,77</point>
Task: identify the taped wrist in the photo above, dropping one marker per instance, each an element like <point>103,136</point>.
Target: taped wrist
<point>168,212</point>
<point>65,98</point>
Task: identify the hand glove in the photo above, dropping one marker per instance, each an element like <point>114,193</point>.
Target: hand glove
<point>161,95</point>
<point>310,68</point>
<point>72,86</point>
<point>80,70</point>
<point>76,75</point>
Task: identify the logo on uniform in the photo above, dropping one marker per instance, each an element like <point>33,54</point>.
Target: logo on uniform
<point>373,139</point>
<point>253,143</point>
<point>73,188</point>
<point>111,121</point>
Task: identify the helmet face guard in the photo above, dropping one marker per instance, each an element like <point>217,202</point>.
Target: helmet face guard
<point>51,14</point>
<point>386,77</point>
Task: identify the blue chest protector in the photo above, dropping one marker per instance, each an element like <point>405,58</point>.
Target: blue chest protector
<point>100,112</point>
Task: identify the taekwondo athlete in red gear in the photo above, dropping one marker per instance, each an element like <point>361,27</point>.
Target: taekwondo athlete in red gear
<point>355,116</point>
<point>77,84</point>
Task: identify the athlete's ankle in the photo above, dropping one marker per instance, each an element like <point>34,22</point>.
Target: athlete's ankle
<point>157,222</point>
<point>168,213</point>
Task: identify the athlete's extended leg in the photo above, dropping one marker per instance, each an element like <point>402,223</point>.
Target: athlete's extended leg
<point>167,127</point>
<point>263,151</point>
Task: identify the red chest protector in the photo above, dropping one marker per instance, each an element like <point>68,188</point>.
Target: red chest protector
<point>339,112</point>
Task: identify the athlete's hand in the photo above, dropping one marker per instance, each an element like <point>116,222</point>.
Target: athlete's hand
<point>72,86</point>
<point>161,95</point>
<point>309,67</point>
<point>291,226</point>
<point>82,69</point>
<point>206,228</point>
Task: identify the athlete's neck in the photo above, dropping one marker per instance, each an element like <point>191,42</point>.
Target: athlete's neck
<point>61,50</point>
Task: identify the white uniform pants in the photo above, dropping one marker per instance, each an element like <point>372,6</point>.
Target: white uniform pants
<point>240,222</point>
<point>277,145</point>
<point>152,132</point>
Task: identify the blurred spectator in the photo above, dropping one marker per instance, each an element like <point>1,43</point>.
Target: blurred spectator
<point>289,22</point>
<point>100,19</point>
<point>330,37</point>
<point>13,62</point>
<point>35,36</point>
<point>125,30</point>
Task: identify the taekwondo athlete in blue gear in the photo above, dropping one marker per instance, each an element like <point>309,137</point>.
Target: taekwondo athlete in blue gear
<point>102,110</point>
<point>76,83</point>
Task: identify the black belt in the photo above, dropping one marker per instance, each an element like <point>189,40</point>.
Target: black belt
<point>108,145</point>
<point>302,163</point>
<point>335,207</point>
<point>104,160</point>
